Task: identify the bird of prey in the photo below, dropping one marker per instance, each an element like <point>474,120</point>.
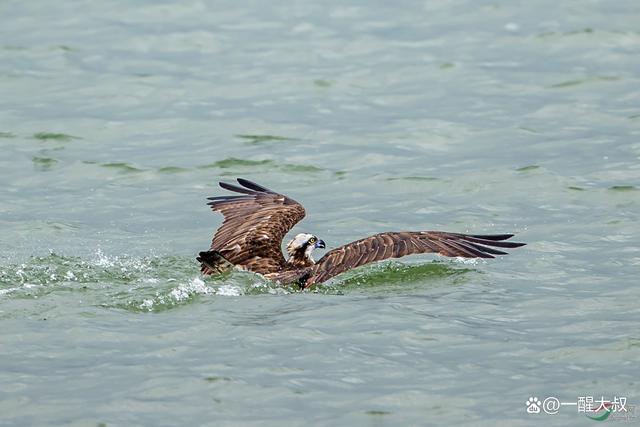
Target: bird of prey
<point>256,220</point>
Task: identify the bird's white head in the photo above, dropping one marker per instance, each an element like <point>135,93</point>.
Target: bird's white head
<point>301,246</point>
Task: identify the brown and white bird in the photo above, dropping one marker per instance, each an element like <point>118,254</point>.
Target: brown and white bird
<point>256,221</point>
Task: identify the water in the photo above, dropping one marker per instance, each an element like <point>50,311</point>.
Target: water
<point>118,119</point>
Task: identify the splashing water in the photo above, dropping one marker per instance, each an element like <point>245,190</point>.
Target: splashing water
<point>157,283</point>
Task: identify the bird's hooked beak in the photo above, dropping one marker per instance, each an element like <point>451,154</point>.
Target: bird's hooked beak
<point>320,244</point>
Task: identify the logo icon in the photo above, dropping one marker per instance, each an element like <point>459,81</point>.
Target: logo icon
<point>608,407</point>
<point>533,405</point>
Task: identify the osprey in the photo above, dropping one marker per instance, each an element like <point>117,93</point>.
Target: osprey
<point>256,221</point>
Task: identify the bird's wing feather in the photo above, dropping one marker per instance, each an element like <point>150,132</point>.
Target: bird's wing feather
<point>398,244</point>
<point>255,222</point>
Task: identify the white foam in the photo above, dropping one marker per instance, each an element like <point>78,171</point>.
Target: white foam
<point>125,263</point>
<point>278,291</point>
<point>229,291</point>
<point>17,288</point>
<point>101,260</point>
<point>184,291</point>
<point>468,261</point>
<point>146,304</point>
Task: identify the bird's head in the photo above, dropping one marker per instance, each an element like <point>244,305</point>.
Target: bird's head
<point>301,246</point>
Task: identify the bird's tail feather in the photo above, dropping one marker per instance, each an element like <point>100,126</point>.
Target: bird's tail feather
<point>212,262</point>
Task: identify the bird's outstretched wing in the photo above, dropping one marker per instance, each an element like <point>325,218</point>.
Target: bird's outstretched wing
<point>254,225</point>
<point>398,244</point>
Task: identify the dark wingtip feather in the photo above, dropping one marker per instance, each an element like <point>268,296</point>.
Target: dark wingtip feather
<point>495,243</point>
<point>486,249</point>
<point>492,236</point>
<point>235,188</point>
<point>471,250</point>
<point>223,199</point>
<point>201,256</point>
<point>252,185</point>
<point>493,240</point>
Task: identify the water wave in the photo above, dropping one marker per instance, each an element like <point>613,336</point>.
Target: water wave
<point>157,283</point>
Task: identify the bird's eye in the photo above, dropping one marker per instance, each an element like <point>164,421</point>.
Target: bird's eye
<point>312,240</point>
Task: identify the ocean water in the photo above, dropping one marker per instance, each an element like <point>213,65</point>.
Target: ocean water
<point>117,120</point>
